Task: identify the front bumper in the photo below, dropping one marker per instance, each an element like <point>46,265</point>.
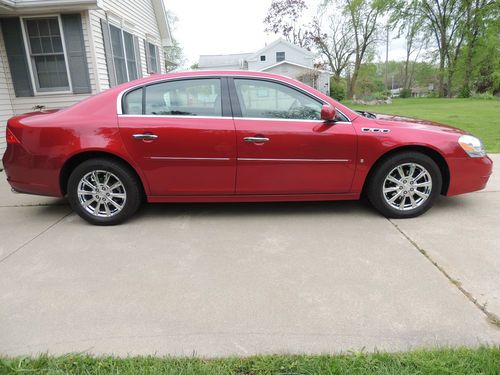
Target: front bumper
<point>468,174</point>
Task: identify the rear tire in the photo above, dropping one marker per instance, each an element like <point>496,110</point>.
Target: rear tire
<point>104,191</point>
<point>405,185</point>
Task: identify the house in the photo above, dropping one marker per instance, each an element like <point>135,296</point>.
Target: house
<point>280,57</point>
<point>54,53</point>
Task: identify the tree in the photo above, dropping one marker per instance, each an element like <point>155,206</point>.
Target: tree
<point>445,20</point>
<point>477,12</point>
<point>406,17</point>
<point>283,18</point>
<point>363,16</point>
<point>174,55</point>
<point>336,44</point>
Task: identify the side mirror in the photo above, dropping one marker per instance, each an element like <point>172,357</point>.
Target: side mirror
<point>327,113</point>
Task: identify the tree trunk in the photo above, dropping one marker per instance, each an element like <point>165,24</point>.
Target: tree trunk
<point>442,60</point>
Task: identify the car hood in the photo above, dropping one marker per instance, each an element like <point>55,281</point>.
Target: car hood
<point>391,120</point>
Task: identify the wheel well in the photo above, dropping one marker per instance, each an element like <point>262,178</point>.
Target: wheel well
<point>434,155</point>
<point>76,160</point>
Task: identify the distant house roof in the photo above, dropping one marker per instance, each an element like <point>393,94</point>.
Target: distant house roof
<point>208,61</point>
<point>295,64</point>
<point>255,56</point>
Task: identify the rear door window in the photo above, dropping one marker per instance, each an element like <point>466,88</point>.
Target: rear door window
<point>191,97</point>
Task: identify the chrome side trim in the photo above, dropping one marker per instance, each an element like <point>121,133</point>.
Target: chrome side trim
<point>119,110</point>
<point>298,160</point>
<point>184,158</point>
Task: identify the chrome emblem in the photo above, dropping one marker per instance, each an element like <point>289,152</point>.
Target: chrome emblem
<point>375,130</point>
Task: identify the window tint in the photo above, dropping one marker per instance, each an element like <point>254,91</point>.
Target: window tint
<point>132,104</point>
<point>193,97</point>
<point>271,100</point>
<point>280,56</point>
<point>47,54</point>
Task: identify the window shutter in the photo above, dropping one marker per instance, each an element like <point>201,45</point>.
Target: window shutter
<point>138,57</point>
<point>158,61</point>
<point>16,55</point>
<point>75,50</point>
<point>148,57</point>
<point>108,52</point>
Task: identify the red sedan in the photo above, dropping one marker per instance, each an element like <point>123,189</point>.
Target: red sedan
<point>234,136</point>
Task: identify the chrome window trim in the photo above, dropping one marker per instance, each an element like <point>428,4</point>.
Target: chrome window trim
<point>119,109</point>
<point>236,118</point>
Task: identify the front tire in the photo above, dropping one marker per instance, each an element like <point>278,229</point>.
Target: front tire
<point>104,191</point>
<point>405,185</point>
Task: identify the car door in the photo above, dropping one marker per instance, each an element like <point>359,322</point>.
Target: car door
<point>283,146</point>
<point>182,135</point>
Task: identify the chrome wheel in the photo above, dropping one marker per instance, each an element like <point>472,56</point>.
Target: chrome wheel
<point>407,186</point>
<point>101,193</point>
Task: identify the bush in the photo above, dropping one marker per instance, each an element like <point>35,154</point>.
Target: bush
<point>405,93</point>
<point>465,92</point>
<point>338,89</point>
<point>484,95</point>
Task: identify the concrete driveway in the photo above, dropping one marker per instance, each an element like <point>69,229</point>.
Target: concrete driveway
<point>221,279</point>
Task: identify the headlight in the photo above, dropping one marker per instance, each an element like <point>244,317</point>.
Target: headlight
<point>472,146</point>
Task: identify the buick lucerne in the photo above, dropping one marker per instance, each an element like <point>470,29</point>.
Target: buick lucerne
<point>212,136</point>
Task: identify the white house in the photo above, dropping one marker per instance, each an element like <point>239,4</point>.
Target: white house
<point>54,53</point>
<point>280,57</point>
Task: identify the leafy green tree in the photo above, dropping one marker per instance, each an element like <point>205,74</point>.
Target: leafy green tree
<point>363,16</point>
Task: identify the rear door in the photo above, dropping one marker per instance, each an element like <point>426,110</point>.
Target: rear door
<point>283,146</point>
<point>182,135</point>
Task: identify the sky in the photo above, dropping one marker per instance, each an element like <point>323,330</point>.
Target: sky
<point>211,27</point>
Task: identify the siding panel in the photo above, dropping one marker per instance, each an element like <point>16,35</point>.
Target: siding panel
<point>6,111</point>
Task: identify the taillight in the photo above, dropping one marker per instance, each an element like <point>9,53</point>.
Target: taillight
<point>11,138</point>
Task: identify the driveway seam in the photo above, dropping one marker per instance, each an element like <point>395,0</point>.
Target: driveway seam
<point>491,317</point>
<point>34,238</point>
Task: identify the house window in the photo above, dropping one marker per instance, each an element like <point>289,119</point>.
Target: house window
<point>47,57</point>
<point>263,58</point>
<point>122,44</point>
<point>152,56</point>
<point>280,56</point>
<point>130,54</point>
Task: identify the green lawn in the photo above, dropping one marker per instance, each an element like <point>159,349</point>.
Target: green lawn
<point>477,116</point>
<point>444,361</point>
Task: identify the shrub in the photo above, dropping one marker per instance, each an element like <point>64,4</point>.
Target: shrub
<point>338,89</point>
<point>405,93</point>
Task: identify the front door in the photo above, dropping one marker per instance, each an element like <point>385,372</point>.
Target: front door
<point>284,147</point>
<point>181,136</point>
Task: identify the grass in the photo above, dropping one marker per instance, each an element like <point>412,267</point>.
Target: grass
<point>484,360</point>
<point>477,116</point>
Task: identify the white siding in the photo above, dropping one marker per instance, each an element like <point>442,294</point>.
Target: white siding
<point>6,110</point>
<point>136,17</point>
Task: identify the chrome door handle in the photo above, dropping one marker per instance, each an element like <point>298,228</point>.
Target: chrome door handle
<point>256,139</point>
<point>145,136</point>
